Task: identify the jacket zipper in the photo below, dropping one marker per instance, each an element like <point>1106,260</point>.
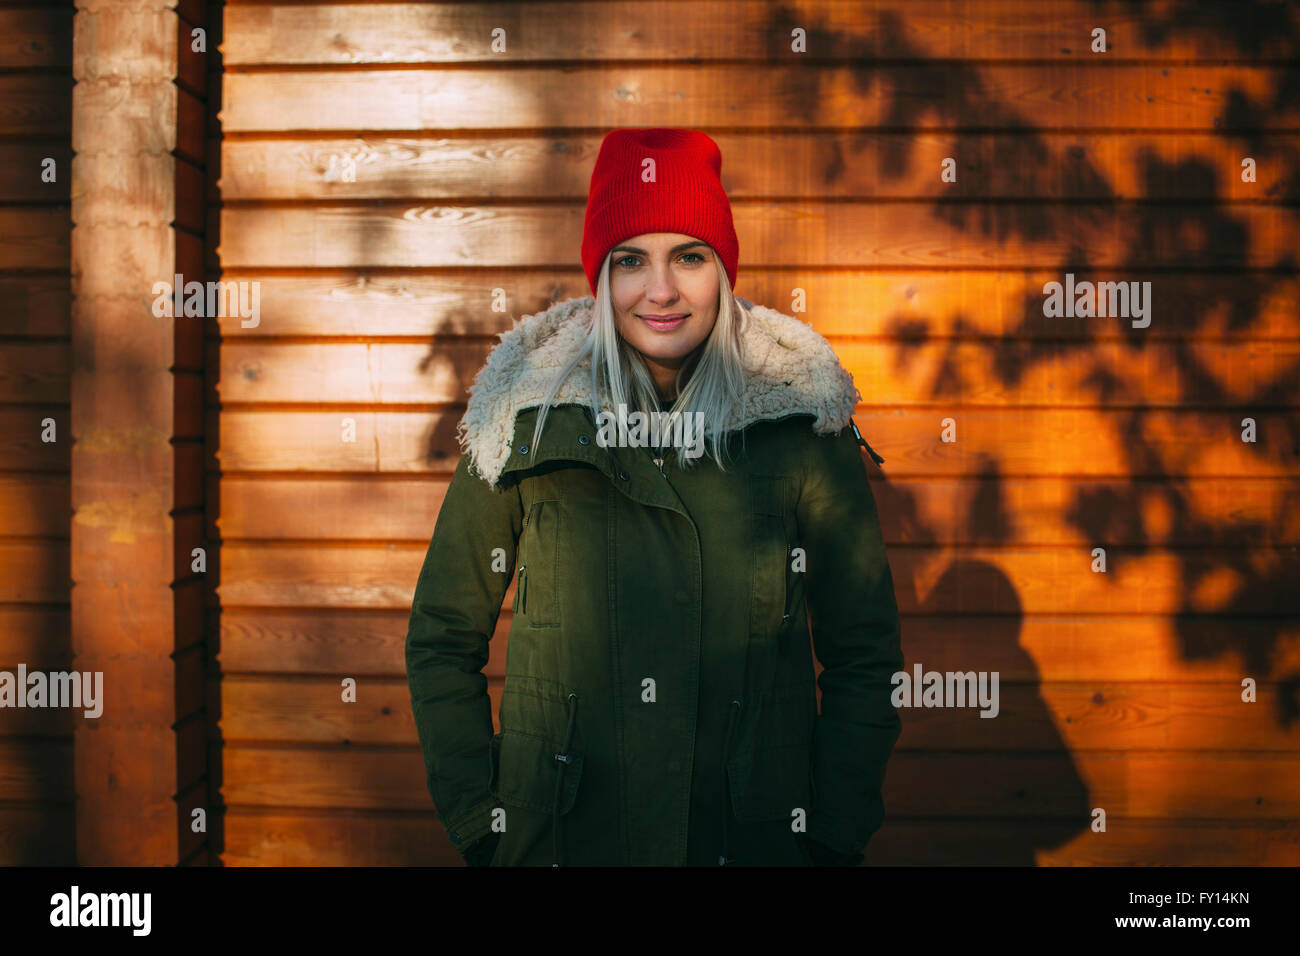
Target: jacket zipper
<point>726,782</point>
<point>789,590</point>
<point>521,602</point>
<point>658,459</point>
<point>520,605</point>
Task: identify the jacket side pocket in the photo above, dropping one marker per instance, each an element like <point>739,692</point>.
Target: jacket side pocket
<point>530,749</point>
<point>771,783</point>
<point>771,775</point>
<point>528,765</point>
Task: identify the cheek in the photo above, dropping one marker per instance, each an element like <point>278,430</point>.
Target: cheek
<point>628,327</point>
<point>623,288</point>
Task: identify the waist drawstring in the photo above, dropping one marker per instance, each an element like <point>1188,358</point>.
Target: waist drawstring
<point>726,789</point>
<point>564,758</point>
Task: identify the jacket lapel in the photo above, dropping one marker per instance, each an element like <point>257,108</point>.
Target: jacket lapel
<point>630,470</point>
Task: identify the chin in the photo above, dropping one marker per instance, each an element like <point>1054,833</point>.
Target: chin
<point>679,346</point>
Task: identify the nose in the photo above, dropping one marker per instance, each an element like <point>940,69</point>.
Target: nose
<point>662,290</point>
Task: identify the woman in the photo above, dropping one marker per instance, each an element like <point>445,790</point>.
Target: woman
<point>659,705</point>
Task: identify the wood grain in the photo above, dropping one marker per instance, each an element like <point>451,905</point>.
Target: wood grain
<point>1088,443</point>
<point>1041,580</point>
<point>1058,786</point>
<point>851,234</point>
<point>1084,716</point>
<point>454,33</point>
<point>931,96</point>
<point>890,304</point>
<point>970,373</point>
<point>256,837</point>
<point>810,164</point>
<point>1025,510</point>
<point>1025,648</point>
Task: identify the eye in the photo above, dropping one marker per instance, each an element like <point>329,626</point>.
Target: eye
<point>696,255</point>
<point>619,262</point>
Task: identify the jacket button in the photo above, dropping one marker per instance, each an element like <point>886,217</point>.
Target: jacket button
<point>622,476</point>
<point>582,439</point>
<point>523,449</point>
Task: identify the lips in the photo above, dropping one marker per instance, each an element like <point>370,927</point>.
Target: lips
<point>664,323</point>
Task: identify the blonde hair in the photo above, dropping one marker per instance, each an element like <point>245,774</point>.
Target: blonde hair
<point>619,374</point>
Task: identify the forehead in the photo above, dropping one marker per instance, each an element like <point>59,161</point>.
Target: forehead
<point>661,240</point>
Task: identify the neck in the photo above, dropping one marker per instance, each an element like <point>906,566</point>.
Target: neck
<point>665,376</point>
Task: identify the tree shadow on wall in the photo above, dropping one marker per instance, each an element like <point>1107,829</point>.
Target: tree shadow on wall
<point>1208,282</point>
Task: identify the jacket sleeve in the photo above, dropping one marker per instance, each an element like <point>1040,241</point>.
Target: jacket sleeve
<point>457,602</point>
<point>855,627</point>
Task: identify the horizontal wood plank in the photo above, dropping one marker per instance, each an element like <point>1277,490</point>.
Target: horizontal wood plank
<point>38,722</point>
<point>35,237</point>
<point>256,837</point>
<point>921,95</point>
<point>34,373</point>
<point>1058,786</point>
<point>37,769</point>
<point>811,234</point>
<point>979,373</point>
<point>34,571</point>
<point>39,836</point>
<point>359,838</point>
<point>1111,443</point>
<point>37,37</point>
<point>984,581</point>
<point>1027,164</point>
<point>22,166</point>
<point>1053,647</point>
<point>34,505</point>
<point>39,637</point>
<point>36,106</point>
<point>37,305</point>
<point>318,33</point>
<point>898,305</point>
<point>1081,717</point>
<point>1178,513</point>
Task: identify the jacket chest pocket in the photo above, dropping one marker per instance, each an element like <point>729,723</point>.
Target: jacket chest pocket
<point>537,571</point>
<point>777,583</point>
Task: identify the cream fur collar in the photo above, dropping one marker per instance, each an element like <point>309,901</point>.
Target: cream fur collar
<point>793,370</point>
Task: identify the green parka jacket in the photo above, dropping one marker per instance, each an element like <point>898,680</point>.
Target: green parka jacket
<point>659,705</point>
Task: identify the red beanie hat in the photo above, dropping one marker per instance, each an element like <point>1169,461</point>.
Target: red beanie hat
<point>685,195</point>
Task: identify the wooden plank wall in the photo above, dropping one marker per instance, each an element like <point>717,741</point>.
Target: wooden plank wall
<point>37,824</point>
<point>383,170</point>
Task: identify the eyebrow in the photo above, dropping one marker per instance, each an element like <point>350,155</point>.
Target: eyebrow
<point>642,252</point>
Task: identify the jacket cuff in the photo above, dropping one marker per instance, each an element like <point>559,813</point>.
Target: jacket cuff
<point>835,834</point>
<point>469,826</point>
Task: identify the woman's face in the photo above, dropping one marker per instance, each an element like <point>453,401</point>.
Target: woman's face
<point>670,275</point>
